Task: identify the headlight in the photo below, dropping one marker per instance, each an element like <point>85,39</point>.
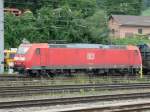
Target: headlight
<point>22,58</point>
<point>19,58</point>
<point>16,58</point>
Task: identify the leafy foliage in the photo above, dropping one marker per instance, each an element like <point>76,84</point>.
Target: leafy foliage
<point>146,3</point>
<point>146,12</point>
<point>130,7</point>
<point>73,20</point>
<point>63,23</point>
<point>131,40</point>
<point>17,28</point>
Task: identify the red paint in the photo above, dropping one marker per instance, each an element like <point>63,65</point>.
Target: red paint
<point>81,57</point>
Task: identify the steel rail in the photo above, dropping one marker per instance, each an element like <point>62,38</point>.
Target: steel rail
<point>137,107</point>
<point>74,100</point>
<point>29,90</point>
<point>21,77</point>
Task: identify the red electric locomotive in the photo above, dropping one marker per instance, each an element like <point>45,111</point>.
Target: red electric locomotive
<point>47,59</point>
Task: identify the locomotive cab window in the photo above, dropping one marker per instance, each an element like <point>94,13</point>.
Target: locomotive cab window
<point>38,51</point>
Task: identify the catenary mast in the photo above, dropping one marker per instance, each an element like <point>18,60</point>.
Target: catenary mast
<point>1,36</point>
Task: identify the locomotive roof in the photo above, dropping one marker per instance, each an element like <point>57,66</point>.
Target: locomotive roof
<point>87,46</point>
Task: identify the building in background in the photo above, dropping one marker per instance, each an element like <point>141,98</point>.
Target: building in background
<point>122,26</point>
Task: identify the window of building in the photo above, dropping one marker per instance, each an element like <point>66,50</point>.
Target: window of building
<point>140,30</point>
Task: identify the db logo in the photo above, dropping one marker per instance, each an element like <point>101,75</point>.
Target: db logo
<point>90,56</point>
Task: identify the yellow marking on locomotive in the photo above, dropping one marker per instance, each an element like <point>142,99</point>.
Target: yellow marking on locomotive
<point>9,57</point>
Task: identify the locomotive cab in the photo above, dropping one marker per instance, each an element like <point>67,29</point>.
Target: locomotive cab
<point>24,57</point>
<point>20,57</point>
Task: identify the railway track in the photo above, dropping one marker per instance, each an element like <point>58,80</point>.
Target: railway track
<point>132,107</point>
<point>30,90</point>
<point>12,77</point>
<point>73,100</point>
<point>15,77</point>
<point>19,80</point>
<point>15,80</point>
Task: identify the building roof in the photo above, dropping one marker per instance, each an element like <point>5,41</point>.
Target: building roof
<point>128,20</point>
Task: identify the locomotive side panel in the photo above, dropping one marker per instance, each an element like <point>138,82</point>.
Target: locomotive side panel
<point>117,58</point>
<point>62,57</point>
<point>73,58</point>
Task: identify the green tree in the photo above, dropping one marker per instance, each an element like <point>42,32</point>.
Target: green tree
<point>146,12</point>
<point>75,21</point>
<point>10,30</point>
<point>129,7</point>
<point>17,28</point>
<point>61,23</point>
<point>97,25</point>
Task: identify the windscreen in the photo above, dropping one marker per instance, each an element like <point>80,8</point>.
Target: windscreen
<point>23,49</point>
<point>12,55</point>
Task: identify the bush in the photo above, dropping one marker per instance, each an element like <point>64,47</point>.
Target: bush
<point>131,40</point>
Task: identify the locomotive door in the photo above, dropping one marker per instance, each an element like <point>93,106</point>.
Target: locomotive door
<point>43,57</point>
<point>40,57</point>
<point>36,58</point>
